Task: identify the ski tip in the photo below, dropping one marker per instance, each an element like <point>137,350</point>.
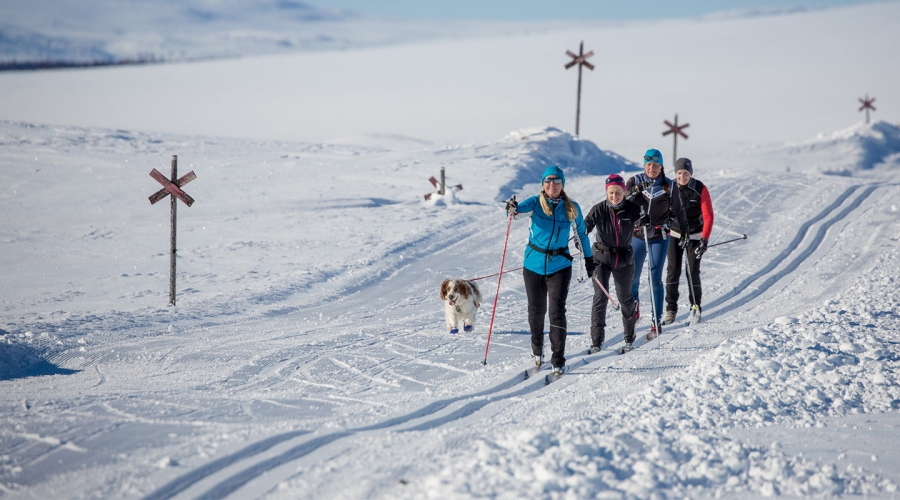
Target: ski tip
<point>547,380</point>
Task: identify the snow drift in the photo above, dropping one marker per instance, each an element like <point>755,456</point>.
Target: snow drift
<point>852,150</point>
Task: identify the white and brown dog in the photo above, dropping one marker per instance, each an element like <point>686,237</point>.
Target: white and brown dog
<point>461,301</point>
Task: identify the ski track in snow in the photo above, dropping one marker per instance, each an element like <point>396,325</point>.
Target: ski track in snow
<point>742,296</point>
<point>311,384</point>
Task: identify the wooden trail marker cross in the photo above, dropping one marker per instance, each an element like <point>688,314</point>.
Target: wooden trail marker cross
<point>172,187</point>
<point>440,186</point>
<point>867,105</point>
<point>580,60</point>
<point>676,130</point>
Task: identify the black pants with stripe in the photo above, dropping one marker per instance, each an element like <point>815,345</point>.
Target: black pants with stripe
<point>548,290</point>
<point>673,274</point>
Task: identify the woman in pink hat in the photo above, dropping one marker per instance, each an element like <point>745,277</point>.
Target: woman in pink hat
<point>615,219</point>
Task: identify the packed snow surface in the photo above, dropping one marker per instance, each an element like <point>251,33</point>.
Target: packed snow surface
<point>306,356</point>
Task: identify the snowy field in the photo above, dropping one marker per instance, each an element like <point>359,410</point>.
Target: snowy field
<point>307,356</point>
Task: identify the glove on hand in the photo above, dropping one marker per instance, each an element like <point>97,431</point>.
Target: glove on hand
<point>644,220</point>
<point>701,248</point>
<point>590,266</point>
<point>512,206</point>
<point>684,241</point>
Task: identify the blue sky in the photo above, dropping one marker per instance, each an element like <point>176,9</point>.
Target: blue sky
<point>536,10</point>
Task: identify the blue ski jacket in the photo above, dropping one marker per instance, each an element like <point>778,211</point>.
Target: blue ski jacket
<point>551,235</point>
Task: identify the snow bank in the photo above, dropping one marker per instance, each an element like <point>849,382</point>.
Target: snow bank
<point>537,148</point>
<point>672,438</point>
<point>845,152</point>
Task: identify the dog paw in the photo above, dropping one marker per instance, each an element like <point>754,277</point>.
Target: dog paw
<point>468,328</point>
<point>454,330</point>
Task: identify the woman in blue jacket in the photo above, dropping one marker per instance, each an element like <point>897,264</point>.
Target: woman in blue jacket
<point>548,264</point>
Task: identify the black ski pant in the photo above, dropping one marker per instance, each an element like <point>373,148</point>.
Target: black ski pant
<point>541,290</point>
<point>622,278</point>
<point>673,273</point>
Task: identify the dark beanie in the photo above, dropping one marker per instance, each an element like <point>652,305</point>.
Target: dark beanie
<point>684,164</point>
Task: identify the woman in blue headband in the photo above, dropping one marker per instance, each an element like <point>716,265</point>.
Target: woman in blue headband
<point>548,264</point>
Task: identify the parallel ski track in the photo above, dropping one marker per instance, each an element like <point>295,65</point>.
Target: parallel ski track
<point>476,401</point>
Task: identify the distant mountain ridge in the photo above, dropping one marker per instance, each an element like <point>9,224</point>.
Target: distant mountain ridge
<point>48,33</point>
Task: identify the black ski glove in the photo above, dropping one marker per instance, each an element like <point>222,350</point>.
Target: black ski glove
<point>512,206</point>
<point>590,266</point>
<point>643,220</point>
<point>684,241</point>
<point>702,247</point>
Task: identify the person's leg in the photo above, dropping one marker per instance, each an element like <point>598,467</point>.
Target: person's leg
<point>536,291</point>
<point>557,293</point>
<point>598,306</point>
<point>622,278</point>
<point>694,265</point>
<point>657,255</point>
<point>673,274</point>
<point>640,252</point>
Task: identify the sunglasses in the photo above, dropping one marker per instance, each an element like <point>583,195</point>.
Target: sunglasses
<point>554,180</point>
<point>614,180</point>
<point>654,158</point>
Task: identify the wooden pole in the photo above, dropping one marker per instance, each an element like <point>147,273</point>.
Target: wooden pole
<point>578,105</point>
<point>443,183</point>
<point>867,108</point>
<point>675,143</point>
<point>174,201</point>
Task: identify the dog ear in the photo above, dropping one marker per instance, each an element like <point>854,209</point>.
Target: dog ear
<point>476,293</point>
<point>445,289</point>
<point>463,288</point>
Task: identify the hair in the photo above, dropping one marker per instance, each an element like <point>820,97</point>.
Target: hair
<point>571,213</point>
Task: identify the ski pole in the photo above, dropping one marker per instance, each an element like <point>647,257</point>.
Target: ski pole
<point>577,240</point>
<point>653,319</point>
<point>497,294</point>
<point>608,296</point>
<point>743,237</point>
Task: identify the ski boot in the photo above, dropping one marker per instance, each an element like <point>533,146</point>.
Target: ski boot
<point>654,331</point>
<point>595,349</point>
<point>629,346</point>
<point>559,370</point>
<point>538,359</point>
<point>695,315</point>
<point>670,317</point>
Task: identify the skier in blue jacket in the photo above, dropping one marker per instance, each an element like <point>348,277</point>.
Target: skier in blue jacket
<point>548,264</point>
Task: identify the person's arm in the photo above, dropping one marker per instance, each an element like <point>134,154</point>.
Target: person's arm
<point>527,205</point>
<point>706,209</point>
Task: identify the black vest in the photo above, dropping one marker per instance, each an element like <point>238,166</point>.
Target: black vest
<point>690,200</point>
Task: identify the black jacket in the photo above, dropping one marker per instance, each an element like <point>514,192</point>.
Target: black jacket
<point>615,228</point>
<point>666,202</point>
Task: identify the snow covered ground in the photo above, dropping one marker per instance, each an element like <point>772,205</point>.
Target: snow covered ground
<point>306,357</point>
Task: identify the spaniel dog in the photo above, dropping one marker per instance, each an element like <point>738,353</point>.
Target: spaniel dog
<point>461,301</point>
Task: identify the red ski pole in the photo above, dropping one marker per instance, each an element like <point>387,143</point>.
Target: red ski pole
<point>608,296</point>
<point>496,295</point>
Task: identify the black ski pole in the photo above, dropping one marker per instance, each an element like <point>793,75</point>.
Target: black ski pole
<point>743,237</point>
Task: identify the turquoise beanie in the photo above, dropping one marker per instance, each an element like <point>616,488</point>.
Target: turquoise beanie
<point>653,152</point>
<point>554,170</point>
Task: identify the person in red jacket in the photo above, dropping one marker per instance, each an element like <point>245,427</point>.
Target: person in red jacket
<point>699,210</point>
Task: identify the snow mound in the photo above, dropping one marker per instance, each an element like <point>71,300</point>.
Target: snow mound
<point>861,147</point>
<point>541,147</point>
<point>19,360</point>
